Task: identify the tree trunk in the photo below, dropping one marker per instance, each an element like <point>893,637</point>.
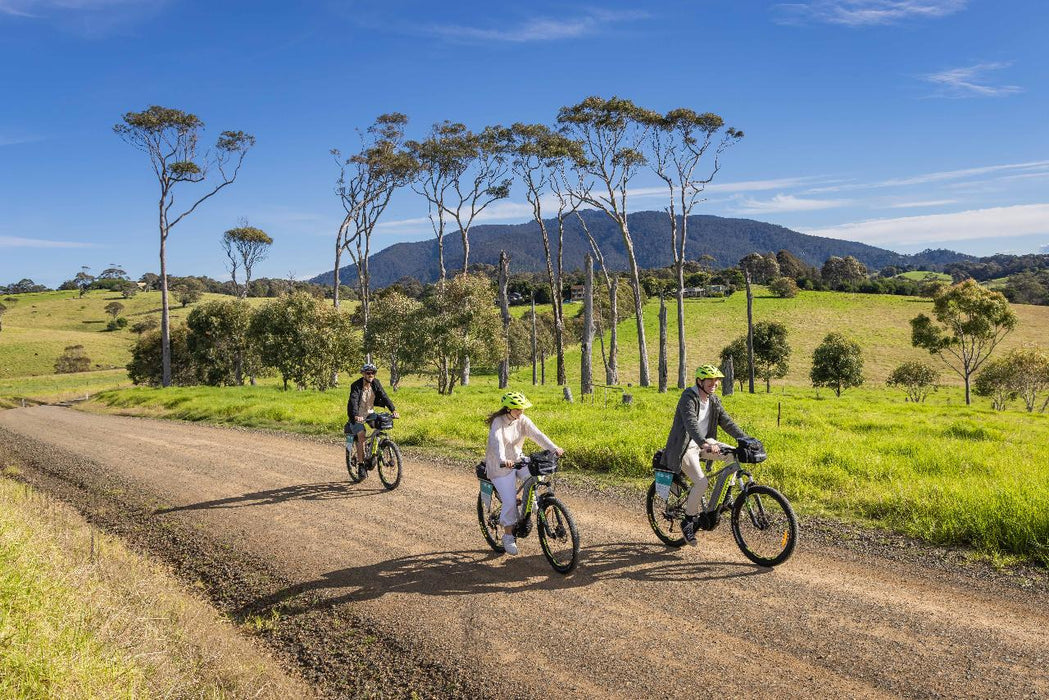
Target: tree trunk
<point>542,367</point>
<point>612,372</point>
<point>639,312</point>
<point>968,399</point>
<point>729,370</point>
<point>662,344</point>
<point>586,378</point>
<point>466,251</point>
<point>395,373</point>
<point>165,318</point>
<point>464,376</point>
<point>335,276</point>
<point>535,370</point>
<point>681,359</point>
<point>750,330</point>
<point>504,308</point>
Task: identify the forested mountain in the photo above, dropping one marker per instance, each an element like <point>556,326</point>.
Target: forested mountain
<point>727,240</point>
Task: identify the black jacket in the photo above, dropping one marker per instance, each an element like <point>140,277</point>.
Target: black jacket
<point>381,399</point>
<point>685,428</point>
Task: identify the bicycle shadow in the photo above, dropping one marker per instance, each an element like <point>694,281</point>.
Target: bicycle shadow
<point>465,573</point>
<point>320,491</point>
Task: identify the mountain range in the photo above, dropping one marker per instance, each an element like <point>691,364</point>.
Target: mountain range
<point>726,239</point>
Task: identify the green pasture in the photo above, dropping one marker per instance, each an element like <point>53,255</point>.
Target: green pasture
<point>940,471</point>
<point>923,275</point>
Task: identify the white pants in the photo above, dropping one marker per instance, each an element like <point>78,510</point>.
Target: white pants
<point>507,488</point>
<point>692,466</point>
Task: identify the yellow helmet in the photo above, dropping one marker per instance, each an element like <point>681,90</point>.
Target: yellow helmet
<point>515,399</point>
<point>708,372</point>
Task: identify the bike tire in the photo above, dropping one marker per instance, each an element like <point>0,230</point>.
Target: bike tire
<point>353,469</point>
<point>665,516</point>
<point>489,521</point>
<point>558,535</point>
<point>764,525</point>
<point>389,464</point>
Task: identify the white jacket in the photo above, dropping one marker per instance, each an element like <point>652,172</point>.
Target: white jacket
<point>505,440</point>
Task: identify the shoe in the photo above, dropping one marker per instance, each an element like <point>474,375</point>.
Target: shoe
<point>362,470</point>
<point>510,544</point>
<point>688,530</point>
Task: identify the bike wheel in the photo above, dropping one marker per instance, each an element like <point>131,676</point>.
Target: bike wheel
<point>353,469</point>
<point>489,520</point>
<point>389,464</point>
<point>558,535</point>
<point>764,525</point>
<point>665,515</point>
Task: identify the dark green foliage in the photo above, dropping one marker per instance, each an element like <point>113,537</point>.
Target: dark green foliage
<point>218,342</point>
<point>784,287</point>
<point>915,378</point>
<point>837,363</point>
<point>73,359</point>
<point>145,365</point>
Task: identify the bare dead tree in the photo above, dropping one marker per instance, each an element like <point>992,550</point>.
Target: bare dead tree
<point>504,308</point>
<point>611,361</point>
<point>587,343</point>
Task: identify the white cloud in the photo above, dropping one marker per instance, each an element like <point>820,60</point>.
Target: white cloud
<point>995,222</point>
<point>926,203</point>
<point>17,242</point>
<point>970,81</point>
<point>88,18</point>
<point>787,203</point>
<point>1037,168</point>
<point>860,13</point>
<point>538,28</point>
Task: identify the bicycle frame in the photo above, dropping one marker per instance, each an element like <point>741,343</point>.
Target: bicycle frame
<point>732,474</point>
<point>527,492</point>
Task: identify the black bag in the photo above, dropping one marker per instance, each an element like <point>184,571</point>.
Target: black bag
<point>657,460</point>
<point>750,451</point>
<point>482,471</point>
<point>542,463</point>
<point>380,421</point>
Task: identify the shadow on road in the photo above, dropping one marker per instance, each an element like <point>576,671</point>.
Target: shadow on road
<point>473,573</point>
<point>322,491</point>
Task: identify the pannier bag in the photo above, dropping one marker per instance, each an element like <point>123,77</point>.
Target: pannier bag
<point>657,460</point>
<point>542,463</point>
<point>481,470</point>
<point>379,421</point>
<point>750,451</point>
<point>664,479</point>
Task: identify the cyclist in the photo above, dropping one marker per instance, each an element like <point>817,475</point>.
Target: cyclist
<point>509,428</point>
<point>692,439</point>
<point>365,394</point>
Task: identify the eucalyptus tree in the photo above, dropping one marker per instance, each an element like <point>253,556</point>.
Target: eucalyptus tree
<point>245,246</point>
<point>171,139</point>
<point>538,158</point>
<point>611,361</point>
<point>680,140</point>
<point>612,134</point>
<point>366,183</point>
<point>461,173</point>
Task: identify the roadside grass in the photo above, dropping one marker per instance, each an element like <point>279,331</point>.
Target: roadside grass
<point>53,388</point>
<point>81,616</point>
<point>940,471</point>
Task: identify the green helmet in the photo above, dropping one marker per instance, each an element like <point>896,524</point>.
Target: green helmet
<point>515,399</point>
<point>708,372</point>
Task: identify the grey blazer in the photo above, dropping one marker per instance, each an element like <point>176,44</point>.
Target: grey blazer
<point>686,427</point>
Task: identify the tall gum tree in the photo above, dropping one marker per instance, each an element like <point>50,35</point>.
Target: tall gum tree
<point>170,137</point>
<point>245,246</point>
<point>680,140</point>
<point>612,133</point>
<point>971,321</point>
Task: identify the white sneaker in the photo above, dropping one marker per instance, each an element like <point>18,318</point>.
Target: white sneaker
<point>510,544</point>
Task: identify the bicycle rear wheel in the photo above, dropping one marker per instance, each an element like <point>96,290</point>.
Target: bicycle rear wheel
<point>558,535</point>
<point>389,463</point>
<point>353,469</point>
<point>665,515</point>
<point>489,520</point>
<point>764,525</point>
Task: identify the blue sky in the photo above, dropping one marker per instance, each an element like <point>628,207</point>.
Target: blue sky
<point>902,123</point>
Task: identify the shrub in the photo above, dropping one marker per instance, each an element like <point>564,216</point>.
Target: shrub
<point>837,363</point>
<point>145,366</point>
<point>915,378</point>
<point>784,287</point>
<point>73,359</point>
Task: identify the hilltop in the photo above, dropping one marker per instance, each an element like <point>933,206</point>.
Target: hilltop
<point>727,240</point>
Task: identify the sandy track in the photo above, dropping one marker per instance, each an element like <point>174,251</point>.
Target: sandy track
<point>635,619</point>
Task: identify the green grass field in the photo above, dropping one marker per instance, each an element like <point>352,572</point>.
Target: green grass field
<point>921,276</point>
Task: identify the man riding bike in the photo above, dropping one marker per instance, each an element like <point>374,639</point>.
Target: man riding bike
<point>365,394</point>
<point>692,439</point>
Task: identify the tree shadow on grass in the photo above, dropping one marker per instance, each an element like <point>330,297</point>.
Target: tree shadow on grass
<point>471,573</point>
<point>321,491</point>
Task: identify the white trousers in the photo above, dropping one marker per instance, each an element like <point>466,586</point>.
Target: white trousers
<point>692,466</point>
<point>507,488</point>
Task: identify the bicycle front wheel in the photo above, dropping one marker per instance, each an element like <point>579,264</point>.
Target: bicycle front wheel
<point>558,535</point>
<point>389,464</point>
<point>665,515</point>
<point>489,520</point>
<point>764,525</point>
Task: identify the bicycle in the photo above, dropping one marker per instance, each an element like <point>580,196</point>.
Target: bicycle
<point>763,522</point>
<point>380,452</point>
<point>558,535</point>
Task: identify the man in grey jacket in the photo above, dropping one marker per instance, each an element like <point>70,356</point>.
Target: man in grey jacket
<point>692,439</point>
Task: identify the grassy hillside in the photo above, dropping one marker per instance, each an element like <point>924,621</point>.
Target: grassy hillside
<point>922,275</point>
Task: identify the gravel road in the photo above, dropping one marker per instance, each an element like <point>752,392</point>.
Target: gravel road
<point>376,592</point>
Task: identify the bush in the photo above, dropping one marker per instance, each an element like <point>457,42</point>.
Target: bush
<point>73,359</point>
<point>145,366</point>
<point>218,342</point>
<point>915,378</point>
<point>784,287</point>
<point>116,324</point>
<point>837,363</point>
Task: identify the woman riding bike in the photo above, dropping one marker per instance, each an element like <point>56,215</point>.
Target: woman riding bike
<point>509,428</point>
<point>693,439</point>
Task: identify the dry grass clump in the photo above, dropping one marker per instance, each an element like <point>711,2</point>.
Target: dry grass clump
<point>81,616</point>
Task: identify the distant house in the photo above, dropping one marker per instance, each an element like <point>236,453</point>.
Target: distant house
<point>577,292</point>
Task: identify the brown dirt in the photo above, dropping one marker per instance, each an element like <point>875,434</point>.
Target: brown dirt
<point>388,593</point>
